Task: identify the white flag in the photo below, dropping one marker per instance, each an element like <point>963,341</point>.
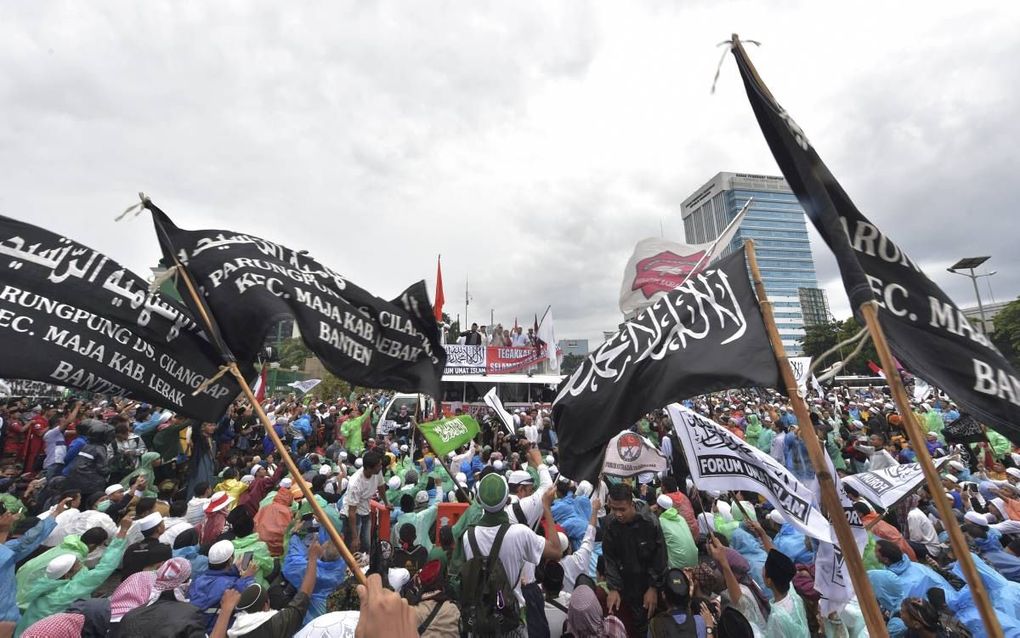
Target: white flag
<point>921,389</point>
<point>306,385</point>
<point>629,453</point>
<point>889,486</point>
<point>801,372</point>
<point>548,335</point>
<point>718,460</point>
<point>493,402</point>
<point>659,266</point>
<point>832,577</point>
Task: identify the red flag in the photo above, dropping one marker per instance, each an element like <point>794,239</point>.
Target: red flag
<point>260,386</point>
<point>440,298</point>
<point>875,369</point>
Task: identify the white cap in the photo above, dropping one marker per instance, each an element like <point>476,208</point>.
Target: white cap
<point>325,470</point>
<point>977,519</point>
<point>564,543</point>
<point>519,477</point>
<point>549,459</point>
<point>343,454</point>
<point>951,478</point>
<point>584,488</point>
<point>451,455</point>
<point>461,478</point>
<point>451,496</point>
<point>497,465</point>
<point>421,497</point>
<point>1014,472</point>
<point>221,552</point>
<point>254,469</point>
<point>664,501</point>
<point>113,489</point>
<point>404,448</point>
<point>285,483</point>
<point>776,517</point>
<point>247,479</point>
<point>394,483</point>
<point>148,522</point>
<point>60,565</point>
<point>398,577</point>
<point>358,462</point>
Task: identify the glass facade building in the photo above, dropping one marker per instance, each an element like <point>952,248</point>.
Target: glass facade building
<point>776,223</point>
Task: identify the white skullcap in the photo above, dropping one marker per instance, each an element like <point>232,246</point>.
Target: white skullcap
<point>358,462</point>
<point>977,519</point>
<point>664,501</point>
<point>404,448</point>
<point>113,489</point>
<point>398,577</point>
<point>497,465</point>
<point>451,497</point>
<point>394,483</point>
<point>450,455</point>
<point>951,478</point>
<point>724,510</point>
<point>148,522</point>
<point>247,479</point>
<point>776,517</point>
<point>60,565</point>
<point>343,454</point>
<point>1014,472</point>
<point>520,477</point>
<point>461,478</point>
<point>888,406</point>
<point>584,488</point>
<point>221,552</point>
<point>254,469</point>
<point>564,543</point>
<point>999,505</point>
<point>285,483</point>
<point>549,460</point>
<point>421,497</point>
<point>554,471</point>
<point>325,470</point>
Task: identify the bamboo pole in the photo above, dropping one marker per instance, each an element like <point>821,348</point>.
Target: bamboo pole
<point>281,449</point>
<point>931,476</point>
<point>830,500</point>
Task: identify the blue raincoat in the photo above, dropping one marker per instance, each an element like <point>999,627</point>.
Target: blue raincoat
<point>13,552</point>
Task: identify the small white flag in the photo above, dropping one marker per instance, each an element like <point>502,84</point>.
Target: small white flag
<point>306,385</point>
<point>493,402</point>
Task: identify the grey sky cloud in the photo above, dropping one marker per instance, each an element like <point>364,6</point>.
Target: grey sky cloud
<point>532,144</point>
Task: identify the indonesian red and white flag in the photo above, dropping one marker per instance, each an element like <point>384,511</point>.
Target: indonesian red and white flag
<point>260,386</point>
<point>876,369</point>
<point>659,266</point>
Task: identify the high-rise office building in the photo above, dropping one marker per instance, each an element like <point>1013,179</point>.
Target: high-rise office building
<point>776,223</point>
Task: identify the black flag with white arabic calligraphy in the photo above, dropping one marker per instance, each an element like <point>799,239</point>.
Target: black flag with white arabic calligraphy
<point>925,329</point>
<point>248,284</point>
<point>706,335</point>
<point>73,317</point>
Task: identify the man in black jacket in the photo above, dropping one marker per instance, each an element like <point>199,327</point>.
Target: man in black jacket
<point>635,554</point>
<point>472,337</point>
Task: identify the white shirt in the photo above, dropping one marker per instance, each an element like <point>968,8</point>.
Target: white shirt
<point>520,546</point>
<point>557,617</point>
<point>532,505</point>
<point>361,489</point>
<point>922,531</point>
<point>578,562</point>
<point>173,527</point>
<point>531,433</point>
<point>196,510</point>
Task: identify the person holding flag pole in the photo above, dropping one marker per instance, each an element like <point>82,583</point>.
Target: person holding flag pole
<point>281,448</point>
<point>829,498</point>
<point>462,496</point>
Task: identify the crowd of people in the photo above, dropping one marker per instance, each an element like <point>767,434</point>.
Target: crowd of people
<point>120,519</point>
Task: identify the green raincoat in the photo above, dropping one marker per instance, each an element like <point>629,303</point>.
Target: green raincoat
<point>144,469</point>
<point>35,569</point>
<point>681,550</point>
<point>260,554</point>
<point>753,430</point>
<point>422,521</point>
<point>50,596</point>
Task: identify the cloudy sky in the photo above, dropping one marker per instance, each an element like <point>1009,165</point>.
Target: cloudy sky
<point>531,143</point>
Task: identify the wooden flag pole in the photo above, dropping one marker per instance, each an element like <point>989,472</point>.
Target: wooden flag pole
<point>281,449</point>
<point>931,475</point>
<point>830,500</point>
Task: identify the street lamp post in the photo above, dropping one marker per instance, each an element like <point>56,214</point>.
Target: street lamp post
<point>970,263</point>
<point>274,367</point>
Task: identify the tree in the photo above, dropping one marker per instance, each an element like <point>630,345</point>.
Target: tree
<point>822,337</point>
<point>570,363</point>
<point>819,338</point>
<point>293,352</point>
<point>1006,335</point>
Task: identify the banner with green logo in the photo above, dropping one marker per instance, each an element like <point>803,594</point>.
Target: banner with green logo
<point>446,435</point>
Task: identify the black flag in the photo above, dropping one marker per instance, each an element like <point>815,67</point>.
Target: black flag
<point>74,317</point>
<point>925,329</point>
<point>706,335</point>
<point>964,430</point>
<point>248,284</point>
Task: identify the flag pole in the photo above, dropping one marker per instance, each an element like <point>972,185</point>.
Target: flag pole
<point>281,449</point>
<point>829,499</point>
<point>931,476</point>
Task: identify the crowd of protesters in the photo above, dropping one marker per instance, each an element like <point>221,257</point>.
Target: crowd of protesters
<point>121,519</point>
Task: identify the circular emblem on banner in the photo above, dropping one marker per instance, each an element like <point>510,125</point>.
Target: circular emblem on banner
<point>629,447</point>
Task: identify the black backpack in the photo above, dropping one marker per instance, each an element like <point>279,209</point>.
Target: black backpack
<point>665,626</point>
<point>488,606</point>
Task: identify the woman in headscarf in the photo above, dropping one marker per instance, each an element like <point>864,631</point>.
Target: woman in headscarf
<point>146,463</point>
<point>584,614</point>
<point>272,521</point>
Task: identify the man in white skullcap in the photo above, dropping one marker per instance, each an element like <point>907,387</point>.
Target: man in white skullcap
<point>149,551</point>
<point>223,574</point>
<point>525,505</point>
<point>67,580</point>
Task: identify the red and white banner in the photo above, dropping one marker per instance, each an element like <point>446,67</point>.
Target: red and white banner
<point>491,359</point>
